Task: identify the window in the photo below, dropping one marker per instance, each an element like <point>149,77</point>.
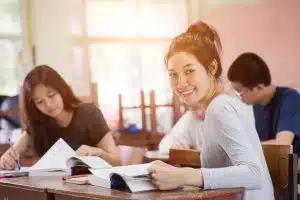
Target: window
<point>10,40</point>
<point>125,42</point>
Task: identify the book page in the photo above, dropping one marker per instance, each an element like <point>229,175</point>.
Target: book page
<point>132,170</point>
<point>94,162</point>
<point>140,185</point>
<point>128,171</point>
<point>56,157</point>
<point>102,173</point>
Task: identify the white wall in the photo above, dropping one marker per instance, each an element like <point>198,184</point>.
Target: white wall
<point>53,41</point>
<point>270,29</point>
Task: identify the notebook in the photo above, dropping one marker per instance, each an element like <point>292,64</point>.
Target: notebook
<point>13,173</point>
<point>133,177</point>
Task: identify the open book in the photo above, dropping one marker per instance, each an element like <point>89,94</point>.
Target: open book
<point>61,157</point>
<point>133,177</point>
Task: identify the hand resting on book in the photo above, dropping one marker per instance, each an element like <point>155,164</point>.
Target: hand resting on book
<point>85,150</point>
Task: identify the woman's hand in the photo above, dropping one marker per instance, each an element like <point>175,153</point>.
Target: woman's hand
<point>165,176</point>
<point>8,160</point>
<point>85,150</point>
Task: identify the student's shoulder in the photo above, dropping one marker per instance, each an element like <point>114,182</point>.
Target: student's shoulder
<point>224,103</point>
<point>287,97</point>
<point>188,115</point>
<point>288,93</point>
<point>86,109</point>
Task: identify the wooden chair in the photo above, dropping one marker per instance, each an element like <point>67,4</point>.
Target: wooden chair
<point>176,108</point>
<point>93,97</point>
<point>141,107</point>
<point>140,139</point>
<point>149,139</point>
<point>185,157</point>
<point>282,165</point>
<point>175,105</point>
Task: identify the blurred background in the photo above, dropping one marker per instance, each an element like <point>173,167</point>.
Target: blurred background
<point>110,51</point>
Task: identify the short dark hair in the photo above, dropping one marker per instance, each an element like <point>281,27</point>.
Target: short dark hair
<point>249,69</point>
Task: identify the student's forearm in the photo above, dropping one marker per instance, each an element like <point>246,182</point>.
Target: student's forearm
<point>283,137</point>
<point>111,158</point>
<point>22,145</point>
<point>277,141</point>
<point>193,177</point>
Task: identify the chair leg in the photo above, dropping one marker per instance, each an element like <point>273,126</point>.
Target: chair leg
<point>293,177</point>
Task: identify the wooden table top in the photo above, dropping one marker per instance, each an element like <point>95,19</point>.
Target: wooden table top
<point>27,183</point>
<point>156,155</point>
<point>56,186</point>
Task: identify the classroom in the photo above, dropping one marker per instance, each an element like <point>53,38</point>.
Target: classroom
<point>149,99</point>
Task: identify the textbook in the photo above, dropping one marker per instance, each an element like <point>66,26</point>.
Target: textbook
<point>62,158</point>
<point>133,177</point>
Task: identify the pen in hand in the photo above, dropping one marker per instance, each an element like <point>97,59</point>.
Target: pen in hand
<point>13,149</point>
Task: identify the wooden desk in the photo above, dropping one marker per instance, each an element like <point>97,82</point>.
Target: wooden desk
<point>155,155</point>
<point>23,188</point>
<point>52,188</point>
<point>67,191</point>
<point>185,157</point>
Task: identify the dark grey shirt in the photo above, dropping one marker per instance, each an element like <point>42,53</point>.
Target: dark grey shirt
<point>87,126</point>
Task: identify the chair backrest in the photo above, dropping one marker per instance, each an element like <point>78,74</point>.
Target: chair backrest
<point>282,165</point>
<point>185,157</point>
<point>153,137</point>
<point>141,107</point>
<point>277,161</point>
<point>175,105</point>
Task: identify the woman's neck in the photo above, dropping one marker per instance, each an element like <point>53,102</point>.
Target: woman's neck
<point>211,95</point>
<point>200,109</point>
<point>64,118</point>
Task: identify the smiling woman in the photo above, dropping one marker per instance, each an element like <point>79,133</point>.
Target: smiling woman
<point>231,153</point>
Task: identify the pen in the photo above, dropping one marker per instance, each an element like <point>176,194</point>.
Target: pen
<point>142,176</point>
<point>17,161</point>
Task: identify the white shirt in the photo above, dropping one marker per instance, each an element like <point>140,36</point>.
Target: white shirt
<point>231,152</point>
